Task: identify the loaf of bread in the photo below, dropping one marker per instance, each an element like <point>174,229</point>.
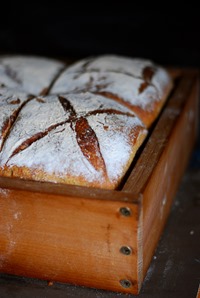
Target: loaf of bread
<point>80,124</point>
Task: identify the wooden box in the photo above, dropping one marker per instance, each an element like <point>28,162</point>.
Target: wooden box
<point>101,238</point>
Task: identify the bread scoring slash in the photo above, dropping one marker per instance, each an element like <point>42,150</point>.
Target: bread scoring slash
<point>80,124</point>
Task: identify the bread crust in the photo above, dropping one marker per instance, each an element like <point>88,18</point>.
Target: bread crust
<point>78,131</point>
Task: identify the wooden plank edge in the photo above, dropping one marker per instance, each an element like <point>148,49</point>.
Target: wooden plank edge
<point>68,190</point>
<point>64,233</point>
<point>156,231</point>
<point>127,193</point>
<point>159,137</point>
<point>140,247</point>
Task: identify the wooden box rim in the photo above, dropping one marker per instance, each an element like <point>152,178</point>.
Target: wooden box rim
<point>138,176</point>
<point>140,193</point>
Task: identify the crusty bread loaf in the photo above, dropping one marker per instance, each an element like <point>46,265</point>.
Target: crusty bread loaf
<point>80,124</point>
<point>138,84</point>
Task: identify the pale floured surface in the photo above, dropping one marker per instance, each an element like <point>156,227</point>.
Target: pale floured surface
<point>58,152</point>
<point>115,143</point>
<point>136,81</point>
<point>112,63</point>
<point>129,66</point>
<point>10,101</point>
<point>36,116</point>
<point>30,74</point>
<point>123,86</point>
<point>80,133</point>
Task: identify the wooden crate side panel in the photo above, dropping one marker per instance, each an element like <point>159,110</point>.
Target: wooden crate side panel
<point>164,181</point>
<point>160,135</point>
<point>60,238</point>
<point>67,190</point>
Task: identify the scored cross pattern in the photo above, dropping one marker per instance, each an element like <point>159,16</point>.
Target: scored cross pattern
<point>85,135</point>
<point>93,87</point>
<point>134,85</point>
<point>81,123</point>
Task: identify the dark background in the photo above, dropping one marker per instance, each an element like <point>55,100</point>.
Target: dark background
<point>166,36</point>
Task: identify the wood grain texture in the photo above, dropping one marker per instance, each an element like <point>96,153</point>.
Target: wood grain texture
<point>157,173</point>
<point>163,183</point>
<point>68,190</point>
<point>60,238</point>
<point>198,292</point>
<point>177,251</point>
<point>74,234</point>
<point>150,156</point>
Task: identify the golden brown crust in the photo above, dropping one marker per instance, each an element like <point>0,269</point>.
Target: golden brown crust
<point>39,175</point>
<point>147,114</point>
<point>136,138</point>
<point>82,138</point>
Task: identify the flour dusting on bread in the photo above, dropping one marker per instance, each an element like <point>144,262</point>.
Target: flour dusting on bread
<point>81,124</point>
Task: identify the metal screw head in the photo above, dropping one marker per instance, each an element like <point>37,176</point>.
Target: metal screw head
<point>125,211</point>
<point>126,250</point>
<point>125,283</point>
